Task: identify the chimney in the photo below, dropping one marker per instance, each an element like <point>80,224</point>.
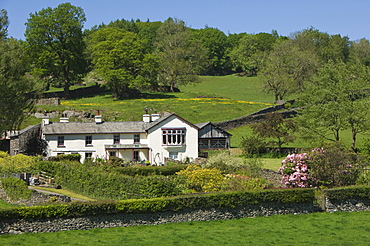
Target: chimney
<point>45,119</point>
<point>146,118</point>
<point>64,119</point>
<point>155,116</point>
<point>98,119</point>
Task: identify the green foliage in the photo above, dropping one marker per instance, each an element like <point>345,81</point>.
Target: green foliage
<point>201,179</point>
<point>216,200</point>
<point>224,162</point>
<point>124,61</point>
<point>14,85</point>
<point>55,43</point>
<point>352,192</point>
<point>69,157</point>
<point>253,146</point>
<point>4,23</point>
<point>16,164</point>
<point>150,170</point>
<point>16,189</point>
<point>155,186</point>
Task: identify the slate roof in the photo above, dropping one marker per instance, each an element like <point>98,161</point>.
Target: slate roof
<point>104,127</point>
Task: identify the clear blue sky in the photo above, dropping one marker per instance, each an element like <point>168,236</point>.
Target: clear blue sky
<point>349,18</point>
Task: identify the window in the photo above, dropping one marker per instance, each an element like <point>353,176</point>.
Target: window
<point>60,141</point>
<point>173,136</point>
<point>174,155</point>
<point>116,139</point>
<point>112,153</point>
<point>136,156</point>
<point>88,155</point>
<point>136,138</point>
<point>88,140</point>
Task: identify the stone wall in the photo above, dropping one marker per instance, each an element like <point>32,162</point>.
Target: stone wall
<point>347,205</point>
<point>26,141</point>
<point>124,220</point>
<point>48,101</point>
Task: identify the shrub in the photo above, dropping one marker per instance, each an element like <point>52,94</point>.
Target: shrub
<point>150,170</point>
<point>242,182</point>
<point>16,164</point>
<point>158,186</point>
<point>69,157</point>
<point>224,162</point>
<point>201,179</point>
<point>16,189</point>
<point>330,166</point>
<point>253,146</point>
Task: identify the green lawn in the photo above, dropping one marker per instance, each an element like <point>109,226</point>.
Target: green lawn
<point>309,229</point>
<point>3,204</point>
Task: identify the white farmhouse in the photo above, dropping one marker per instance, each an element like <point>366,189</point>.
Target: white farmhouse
<point>153,139</point>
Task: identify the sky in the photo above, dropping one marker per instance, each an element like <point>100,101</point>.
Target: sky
<point>348,18</point>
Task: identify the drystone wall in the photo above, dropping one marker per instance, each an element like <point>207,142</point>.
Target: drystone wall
<point>347,205</point>
<point>124,220</point>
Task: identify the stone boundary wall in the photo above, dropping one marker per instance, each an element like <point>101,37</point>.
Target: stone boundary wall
<point>255,117</point>
<point>347,205</point>
<point>48,101</point>
<point>124,220</point>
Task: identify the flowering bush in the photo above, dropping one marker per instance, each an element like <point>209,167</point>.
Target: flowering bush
<point>330,166</point>
<point>201,179</point>
<point>295,172</point>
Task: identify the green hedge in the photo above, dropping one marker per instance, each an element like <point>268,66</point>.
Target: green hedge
<point>15,188</point>
<point>217,200</point>
<point>150,170</point>
<point>350,192</point>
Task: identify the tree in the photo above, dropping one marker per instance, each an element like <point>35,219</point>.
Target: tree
<point>287,70</point>
<point>181,59</point>
<point>275,128</point>
<point>123,60</point>
<point>336,101</point>
<point>4,23</point>
<point>216,44</point>
<point>55,42</point>
<point>14,84</point>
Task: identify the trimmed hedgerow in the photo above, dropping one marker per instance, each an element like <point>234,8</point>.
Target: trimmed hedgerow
<point>216,200</point>
<point>350,192</point>
<point>150,170</point>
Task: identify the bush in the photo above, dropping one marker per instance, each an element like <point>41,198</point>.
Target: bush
<point>159,186</point>
<point>17,164</point>
<point>242,183</point>
<point>69,157</point>
<point>16,189</point>
<point>253,146</point>
<point>150,170</point>
<point>201,179</point>
<point>224,162</point>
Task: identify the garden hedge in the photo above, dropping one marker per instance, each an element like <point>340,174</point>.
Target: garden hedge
<point>216,200</point>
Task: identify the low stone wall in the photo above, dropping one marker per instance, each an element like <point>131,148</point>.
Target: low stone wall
<point>124,220</point>
<point>347,205</point>
<point>48,101</point>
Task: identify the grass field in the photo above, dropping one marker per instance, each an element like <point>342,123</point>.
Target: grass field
<point>310,229</point>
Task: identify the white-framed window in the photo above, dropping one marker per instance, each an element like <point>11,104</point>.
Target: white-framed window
<point>136,138</point>
<point>173,136</point>
<point>112,154</point>
<point>174,155</point>
<point>88,155</point>
<point>88,140</point>
<point>116,139</point>
<point>60,141</point>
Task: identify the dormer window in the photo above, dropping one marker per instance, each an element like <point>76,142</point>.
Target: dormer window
<point>173,136</point>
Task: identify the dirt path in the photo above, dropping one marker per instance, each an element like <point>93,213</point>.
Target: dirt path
<point>54,193</point>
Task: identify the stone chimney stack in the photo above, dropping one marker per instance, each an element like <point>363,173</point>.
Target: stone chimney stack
<point>98,118</point>
<point>155,116</point>
<point>146,118</point>
<point>64,119</point>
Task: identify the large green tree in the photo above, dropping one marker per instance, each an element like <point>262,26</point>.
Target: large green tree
<point>4,23</point>
<point>123,61</point>
<point>287,69</point>
<point>336,101</point>
<point>216,44</point>
<point>55,42</point>
<point>14,84</point>
<point>181,58</point>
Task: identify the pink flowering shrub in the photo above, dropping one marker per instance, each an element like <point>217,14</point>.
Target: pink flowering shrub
<point>332,165</point>
<point>295,172</point>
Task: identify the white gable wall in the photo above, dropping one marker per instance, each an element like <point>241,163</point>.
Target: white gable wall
<point>159,151</point>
